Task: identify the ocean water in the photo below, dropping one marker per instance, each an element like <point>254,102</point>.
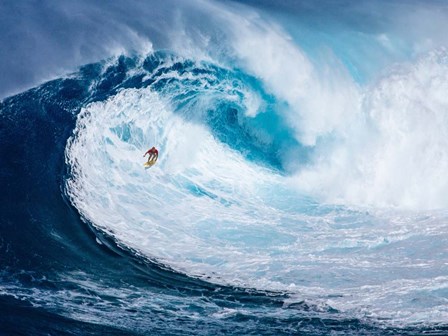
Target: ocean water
<point>301,186</point>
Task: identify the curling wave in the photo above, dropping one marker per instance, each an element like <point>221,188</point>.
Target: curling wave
<point>223,205</point>
<point>300,186</point>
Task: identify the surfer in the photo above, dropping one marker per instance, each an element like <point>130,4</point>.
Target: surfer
<point>153,154</point>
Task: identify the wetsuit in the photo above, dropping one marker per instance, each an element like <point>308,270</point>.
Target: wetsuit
<point>153,154</point>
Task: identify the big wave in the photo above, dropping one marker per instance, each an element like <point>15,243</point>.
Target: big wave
<point>226,204</point>
<point>301,160</point>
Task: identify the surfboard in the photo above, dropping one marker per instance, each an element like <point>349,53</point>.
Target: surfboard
<point>149,164</point>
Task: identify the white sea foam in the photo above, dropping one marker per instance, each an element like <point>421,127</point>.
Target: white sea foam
<point>396,153</point>
<point>206,211</point>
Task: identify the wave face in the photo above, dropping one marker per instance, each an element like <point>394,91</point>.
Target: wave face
<point>300,186</point>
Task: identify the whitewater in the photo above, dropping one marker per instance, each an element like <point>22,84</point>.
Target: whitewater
<point>300,187</point>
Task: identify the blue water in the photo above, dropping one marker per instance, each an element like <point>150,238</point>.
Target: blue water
<point>300,187</point>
